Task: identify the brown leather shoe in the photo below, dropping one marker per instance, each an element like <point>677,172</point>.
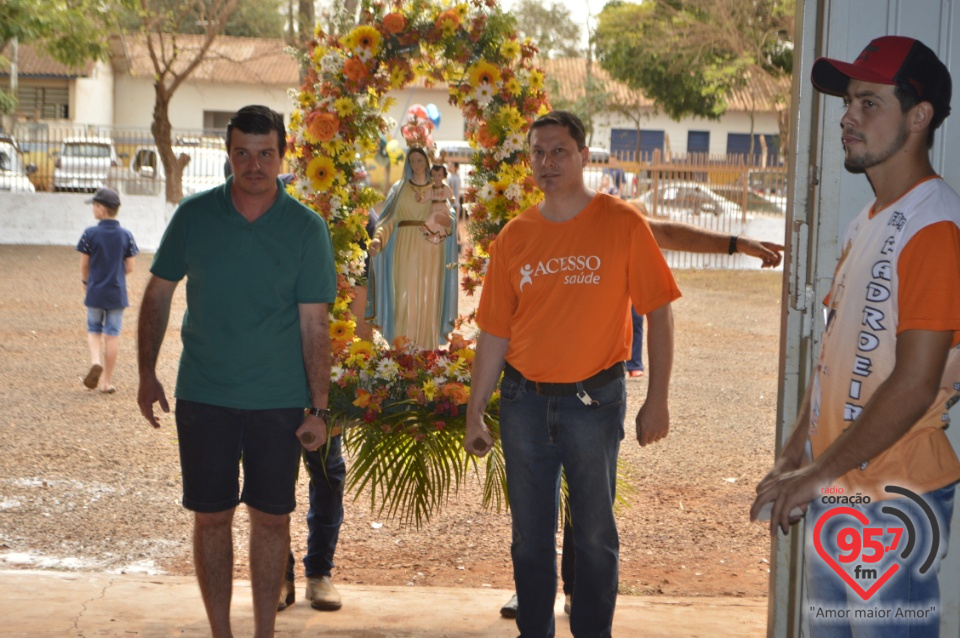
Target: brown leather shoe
<point>287,595</point>
<point>322,594</point>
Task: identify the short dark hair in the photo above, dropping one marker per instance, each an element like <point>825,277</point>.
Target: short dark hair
<point>439,167</point>
<point>565,119</point>
<point>908,97</point>
<point>258,120</point>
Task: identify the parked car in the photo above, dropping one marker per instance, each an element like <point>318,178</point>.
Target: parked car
<point>146,175</point>
<point>756,202</point>
<point>13,174</point>
<point>84,163</point>
<point>690,198</point>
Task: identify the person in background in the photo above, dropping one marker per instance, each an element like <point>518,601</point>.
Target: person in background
<point>107,255</point>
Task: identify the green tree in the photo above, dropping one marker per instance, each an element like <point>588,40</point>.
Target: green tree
<point>689,55</point>
<point>593,98</point>
<point>551,28</point>
<point>251,18</point>
<point>173,62</point>
<point>70,32</point>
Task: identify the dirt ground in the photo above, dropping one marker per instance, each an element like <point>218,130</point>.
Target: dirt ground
<point>86,484</point>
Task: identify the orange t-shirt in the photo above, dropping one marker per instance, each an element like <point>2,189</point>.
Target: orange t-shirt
<point>561,292</point>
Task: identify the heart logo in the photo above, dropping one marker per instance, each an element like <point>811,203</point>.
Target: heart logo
<point>860,516</point>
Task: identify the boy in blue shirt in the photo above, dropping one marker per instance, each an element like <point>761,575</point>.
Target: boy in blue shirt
<point>107,256</point>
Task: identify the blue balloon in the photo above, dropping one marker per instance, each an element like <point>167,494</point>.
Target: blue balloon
<point>434,114</point>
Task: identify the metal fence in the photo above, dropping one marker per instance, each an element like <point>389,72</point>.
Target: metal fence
<point>84,158</point>
<point>727,194</point>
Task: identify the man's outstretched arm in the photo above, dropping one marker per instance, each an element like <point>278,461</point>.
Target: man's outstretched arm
<point>694,239</point>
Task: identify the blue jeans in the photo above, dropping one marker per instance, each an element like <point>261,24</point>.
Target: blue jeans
<point>325,516</point>
<point>635,362</point>
<point>107,321</point>
<point>836,610</point>
<point>540,435</point>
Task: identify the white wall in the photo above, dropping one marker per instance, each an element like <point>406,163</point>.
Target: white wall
<point>451,118</point>
<point>60,218</point>
<point>676,132</point>
<point>92,98</point>
<point>134,99</point>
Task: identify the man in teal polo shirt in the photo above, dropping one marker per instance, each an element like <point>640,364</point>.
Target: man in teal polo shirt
<point>260,276</point>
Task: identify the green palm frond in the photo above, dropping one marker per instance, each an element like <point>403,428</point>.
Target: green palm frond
<point>411,467</point>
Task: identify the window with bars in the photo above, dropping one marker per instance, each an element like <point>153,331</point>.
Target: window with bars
<point>43,102</point>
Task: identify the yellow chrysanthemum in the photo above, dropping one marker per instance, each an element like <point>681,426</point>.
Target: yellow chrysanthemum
<point>461,10</point>
<point>512,173</point>
<point>466,355</point>
<point>364,37</point>
<point>511,119</point>
<point>513,86</point>
<point>484,72</point>
<point>510,49</point>
<point>360,352</point>
<point>398,78</point>
<point>429,389</point>
<point>321,173</point>
<point>317,54</point>
<point>335,147</point>
<point>543,110</point>
<point>536,80</point>
<point>296,118</point>
<point>344,106</point>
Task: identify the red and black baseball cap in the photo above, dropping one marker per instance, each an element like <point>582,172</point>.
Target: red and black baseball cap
<point>895,60</point>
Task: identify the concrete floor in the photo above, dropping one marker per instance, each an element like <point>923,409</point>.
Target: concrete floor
<point>46,603</point>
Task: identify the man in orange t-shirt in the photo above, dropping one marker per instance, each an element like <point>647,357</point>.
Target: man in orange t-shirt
<point>555,319</point>
<point>871,428</point>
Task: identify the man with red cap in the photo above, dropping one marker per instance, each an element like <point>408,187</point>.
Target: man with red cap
<point>868,459</point>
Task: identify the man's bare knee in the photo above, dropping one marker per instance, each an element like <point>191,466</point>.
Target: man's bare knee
<point>213,520</point>
<point>272,521</point>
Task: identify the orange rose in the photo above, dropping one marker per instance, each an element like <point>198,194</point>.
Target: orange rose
<point>486,138</point>
<point>323,126</point>
<point>394,22</point>
<point>355,69</point>
<point>457,392</point>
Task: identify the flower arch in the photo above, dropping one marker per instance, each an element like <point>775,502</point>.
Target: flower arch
<point>412,402</point>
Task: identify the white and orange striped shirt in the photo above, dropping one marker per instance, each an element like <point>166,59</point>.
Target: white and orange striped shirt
<point>899,270</point>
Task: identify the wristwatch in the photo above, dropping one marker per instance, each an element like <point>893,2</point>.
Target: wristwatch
<point>323,413</point>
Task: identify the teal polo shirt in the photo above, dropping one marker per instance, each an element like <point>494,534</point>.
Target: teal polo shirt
<point>241,331</point>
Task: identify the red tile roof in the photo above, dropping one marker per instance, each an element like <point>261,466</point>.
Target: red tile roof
<point>34,62</point>
<point>230,60</point>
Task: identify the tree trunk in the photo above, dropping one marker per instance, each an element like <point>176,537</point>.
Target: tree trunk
<point>162,131</point>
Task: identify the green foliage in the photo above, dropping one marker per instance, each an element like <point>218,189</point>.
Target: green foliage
<point>551,28</point>
<point>71,32</point>
<point>251,18</point>
<point>688,55</point>
<point>8,102</point>
<point>411,478</point>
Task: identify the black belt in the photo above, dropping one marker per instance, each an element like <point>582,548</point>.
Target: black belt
<point>598,380</point>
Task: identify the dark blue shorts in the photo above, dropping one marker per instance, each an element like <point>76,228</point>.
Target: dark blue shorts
<point>215,441</point>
